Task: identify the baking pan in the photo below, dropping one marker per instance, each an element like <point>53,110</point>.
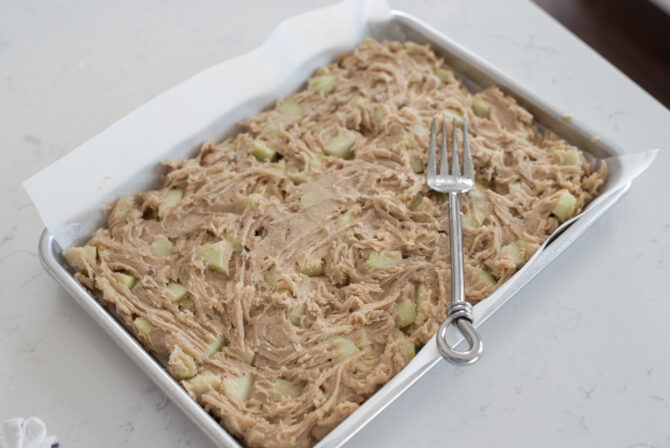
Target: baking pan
<point>477,74</point>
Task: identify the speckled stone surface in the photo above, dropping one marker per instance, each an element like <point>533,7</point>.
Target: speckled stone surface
<point>579,358</point>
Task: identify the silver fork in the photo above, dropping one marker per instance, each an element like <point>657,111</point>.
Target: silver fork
<point>459,312</point>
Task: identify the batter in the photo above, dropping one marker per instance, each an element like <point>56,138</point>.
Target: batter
<point>290,271</point>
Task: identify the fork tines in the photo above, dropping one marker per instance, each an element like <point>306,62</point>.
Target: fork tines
<point>446,181</point>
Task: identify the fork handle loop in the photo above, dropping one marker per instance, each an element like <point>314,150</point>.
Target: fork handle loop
<point>460,315</point>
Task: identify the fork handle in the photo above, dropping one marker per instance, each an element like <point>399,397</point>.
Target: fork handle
<point>456,248</point>
<point>459,312</point>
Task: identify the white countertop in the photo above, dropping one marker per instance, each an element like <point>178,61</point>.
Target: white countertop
<point>579,358</point>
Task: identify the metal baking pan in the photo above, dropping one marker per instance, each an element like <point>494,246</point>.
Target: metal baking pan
<point>477,74</point>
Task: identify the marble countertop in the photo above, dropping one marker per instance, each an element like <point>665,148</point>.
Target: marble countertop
<point>579,358</point>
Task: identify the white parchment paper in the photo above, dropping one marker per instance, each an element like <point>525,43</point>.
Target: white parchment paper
<point>125,158</point>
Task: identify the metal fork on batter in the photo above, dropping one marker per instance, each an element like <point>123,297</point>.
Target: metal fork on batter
<point>459,312</point>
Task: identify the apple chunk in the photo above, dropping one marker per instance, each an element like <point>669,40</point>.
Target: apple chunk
<point>217,255</point>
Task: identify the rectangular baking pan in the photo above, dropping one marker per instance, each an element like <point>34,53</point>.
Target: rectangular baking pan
<point>476,74</point>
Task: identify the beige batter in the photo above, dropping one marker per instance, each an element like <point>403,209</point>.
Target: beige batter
<point>292,270</point>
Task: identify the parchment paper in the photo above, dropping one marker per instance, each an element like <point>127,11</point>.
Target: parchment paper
<point>125,158</point>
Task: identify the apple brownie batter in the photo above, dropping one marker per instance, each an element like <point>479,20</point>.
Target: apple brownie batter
<point>290,271</point>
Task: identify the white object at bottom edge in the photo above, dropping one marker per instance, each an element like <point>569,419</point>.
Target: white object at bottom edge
<point>29,433</point>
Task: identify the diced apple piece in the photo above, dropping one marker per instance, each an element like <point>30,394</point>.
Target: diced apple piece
<point>409,140</point>
<point>514,187</point>
<point>408,348</point>
<point>342,278</point>
<point>421,204</point>
<point>77,256</point>
<point>406,312</point>
<point>513,251</point>
<point>567,157</point>
<point>469,222</point>
<point>317,164</point>
<point>169,201</point>
<point>524,245</point>
<point>311,266</point>
<point>416,164</point>
<point>125,279</point>
<point>342,347</point>
<point>386,259</point>
<point>345,219</point>
<point>216,255</point>
<point>483,275</point>
<point>480,107</point>
<point>451,114</point>
<point>90,252</point>
<point>279,168</point>
<point>239,387</point>
<point>297,178</point>
<point>308,199</point>
<point>204,382</point>
<point>181,365</point>
<point>444,74</point>
<point>527,249</point>
<point>247,355</point>
<point>406,344</point>
<point>161,247</point>
<point>295,313</point>
<point>323,84</point>
<point>216,345</point>
<point>290,109</point>
<point>412,47</point>
<point>481,212</point>
<point>270,278</point>
<point>282,389</point>
<point>518,251</point>
<point>177,291</point>
<point>379,113</point>
<point>478,192</point>
<point>486,277</point>
<point>142,325</point>
<point>340,146</point>
<point>312,126</point>
<point>263,152</point>
<point>237,247</point>
<point>271,127</point>
<point>416,203</point>
<point>565,206</point>
<point>420,129</point>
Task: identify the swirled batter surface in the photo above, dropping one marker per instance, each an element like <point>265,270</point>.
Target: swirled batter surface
<point>290,271</point>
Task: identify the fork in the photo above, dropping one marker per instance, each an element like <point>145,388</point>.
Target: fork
<point>459,312</point>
